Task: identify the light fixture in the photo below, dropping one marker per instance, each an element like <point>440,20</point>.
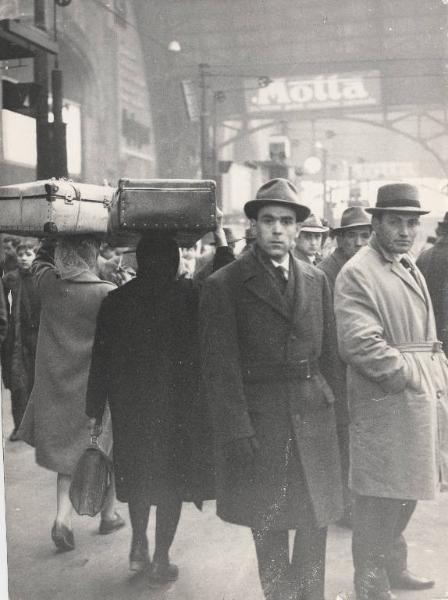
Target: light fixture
<point>312,165</point>
<point>174,46</point>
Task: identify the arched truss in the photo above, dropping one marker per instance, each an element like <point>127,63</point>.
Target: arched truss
<point>426,127</point>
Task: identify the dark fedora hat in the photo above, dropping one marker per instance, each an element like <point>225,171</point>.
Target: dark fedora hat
<point>277,191</point>
<point>354,216</point>
<point>397,197</point>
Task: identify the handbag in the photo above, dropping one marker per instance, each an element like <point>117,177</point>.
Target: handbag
<point>91,480</point>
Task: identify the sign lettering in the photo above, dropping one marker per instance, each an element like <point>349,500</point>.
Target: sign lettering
<point>320,92</point>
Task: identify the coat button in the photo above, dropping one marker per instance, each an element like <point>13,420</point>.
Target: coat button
<point>439,394</point>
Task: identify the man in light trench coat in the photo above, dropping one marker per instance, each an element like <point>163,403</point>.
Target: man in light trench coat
<point>269,356</point>
<point>397,382</point>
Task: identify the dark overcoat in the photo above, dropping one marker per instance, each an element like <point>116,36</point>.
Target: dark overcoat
<point>145,365</point>
<point>252,342</point>
<point>23,328</point>
<point>331,265</point>
<point>433,263</point>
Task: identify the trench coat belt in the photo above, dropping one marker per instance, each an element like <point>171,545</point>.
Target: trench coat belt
<point>420,347</point>
<point>300,370</point>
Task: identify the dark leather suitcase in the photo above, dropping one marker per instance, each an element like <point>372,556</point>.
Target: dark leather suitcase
<point>54,206</point>
<point>185,207</point>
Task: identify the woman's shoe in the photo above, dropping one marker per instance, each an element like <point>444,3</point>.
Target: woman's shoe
<point>109,526</point>
<point>163,572</point>
<point>14,437</point>
<point>63,538</point>
<point>139,558</point>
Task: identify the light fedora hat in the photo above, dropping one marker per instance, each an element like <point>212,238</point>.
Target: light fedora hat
<point>354,216</point>
<point>397,197</point>
<point>277,191</point>
<point>314,225</point>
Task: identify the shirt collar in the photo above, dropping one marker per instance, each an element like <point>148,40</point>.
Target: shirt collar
<point>283,263</point>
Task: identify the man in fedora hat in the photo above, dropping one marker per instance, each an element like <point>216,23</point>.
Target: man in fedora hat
<point>352,234</point>
<point>269,356</point>
<point>310,240</point>
<point>397,384</point>
<point>433,263</point>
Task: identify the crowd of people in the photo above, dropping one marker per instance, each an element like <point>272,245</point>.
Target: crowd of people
<point>300,382</point>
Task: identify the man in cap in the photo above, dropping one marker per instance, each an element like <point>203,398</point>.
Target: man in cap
<point>310,240</point>
<point>249,236</point>
<point>269,357</point>
<point>433,263</point>
<point>397,383</point>
<point>352,234</point>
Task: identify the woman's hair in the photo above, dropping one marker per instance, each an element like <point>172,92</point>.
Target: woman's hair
<point>77,252</point>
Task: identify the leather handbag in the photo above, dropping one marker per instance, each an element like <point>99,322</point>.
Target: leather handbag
<point>91,480</point>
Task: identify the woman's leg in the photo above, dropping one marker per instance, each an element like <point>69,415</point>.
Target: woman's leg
<point>139,507</point>
<point>62,533</point>
<point>64,506</point>
<point>110,520</point>
<point>167,519</point>
<point>108,511</point>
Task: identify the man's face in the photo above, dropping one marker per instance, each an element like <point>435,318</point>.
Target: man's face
<point>351,240</point>
<point>276,228</point>
<point>25,258</point>
<point>8,247</point>
<point>396,231</point>
<point>309,242</point>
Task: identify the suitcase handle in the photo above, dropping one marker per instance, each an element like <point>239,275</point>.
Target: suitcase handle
<point>69,196</point>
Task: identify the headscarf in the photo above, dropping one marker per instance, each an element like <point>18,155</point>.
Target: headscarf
<point>75,255</point>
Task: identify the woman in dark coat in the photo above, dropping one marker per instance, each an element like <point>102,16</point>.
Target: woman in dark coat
<point>145,365</point>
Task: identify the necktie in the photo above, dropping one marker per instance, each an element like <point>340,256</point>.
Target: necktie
<point>409,267</point>
<point>281,277</point>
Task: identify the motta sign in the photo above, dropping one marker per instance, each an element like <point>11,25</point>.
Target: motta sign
<point>340,90</point>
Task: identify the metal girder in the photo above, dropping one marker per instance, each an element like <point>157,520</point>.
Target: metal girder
<point>21,41</point>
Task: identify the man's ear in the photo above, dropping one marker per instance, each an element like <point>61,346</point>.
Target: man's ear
<point>298,228</point>
<point>375,222</point>
<point>252,222</point>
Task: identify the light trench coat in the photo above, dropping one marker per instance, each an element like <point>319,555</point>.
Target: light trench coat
<point>397,378</point>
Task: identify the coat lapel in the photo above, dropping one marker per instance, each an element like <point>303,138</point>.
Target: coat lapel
<point>260,282</point>
<point>408,279</point>
<point>301,297</point>
<point>400,271</point>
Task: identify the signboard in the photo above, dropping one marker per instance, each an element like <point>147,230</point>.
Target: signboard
<point>336,90</point>
<point>189,91</point>
<point>384,170</point>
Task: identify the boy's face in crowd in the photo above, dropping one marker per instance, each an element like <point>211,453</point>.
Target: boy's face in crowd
<point>309,242</point>
<point>25,258</point>
<point>352,240</point>
<point>8,247</point>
